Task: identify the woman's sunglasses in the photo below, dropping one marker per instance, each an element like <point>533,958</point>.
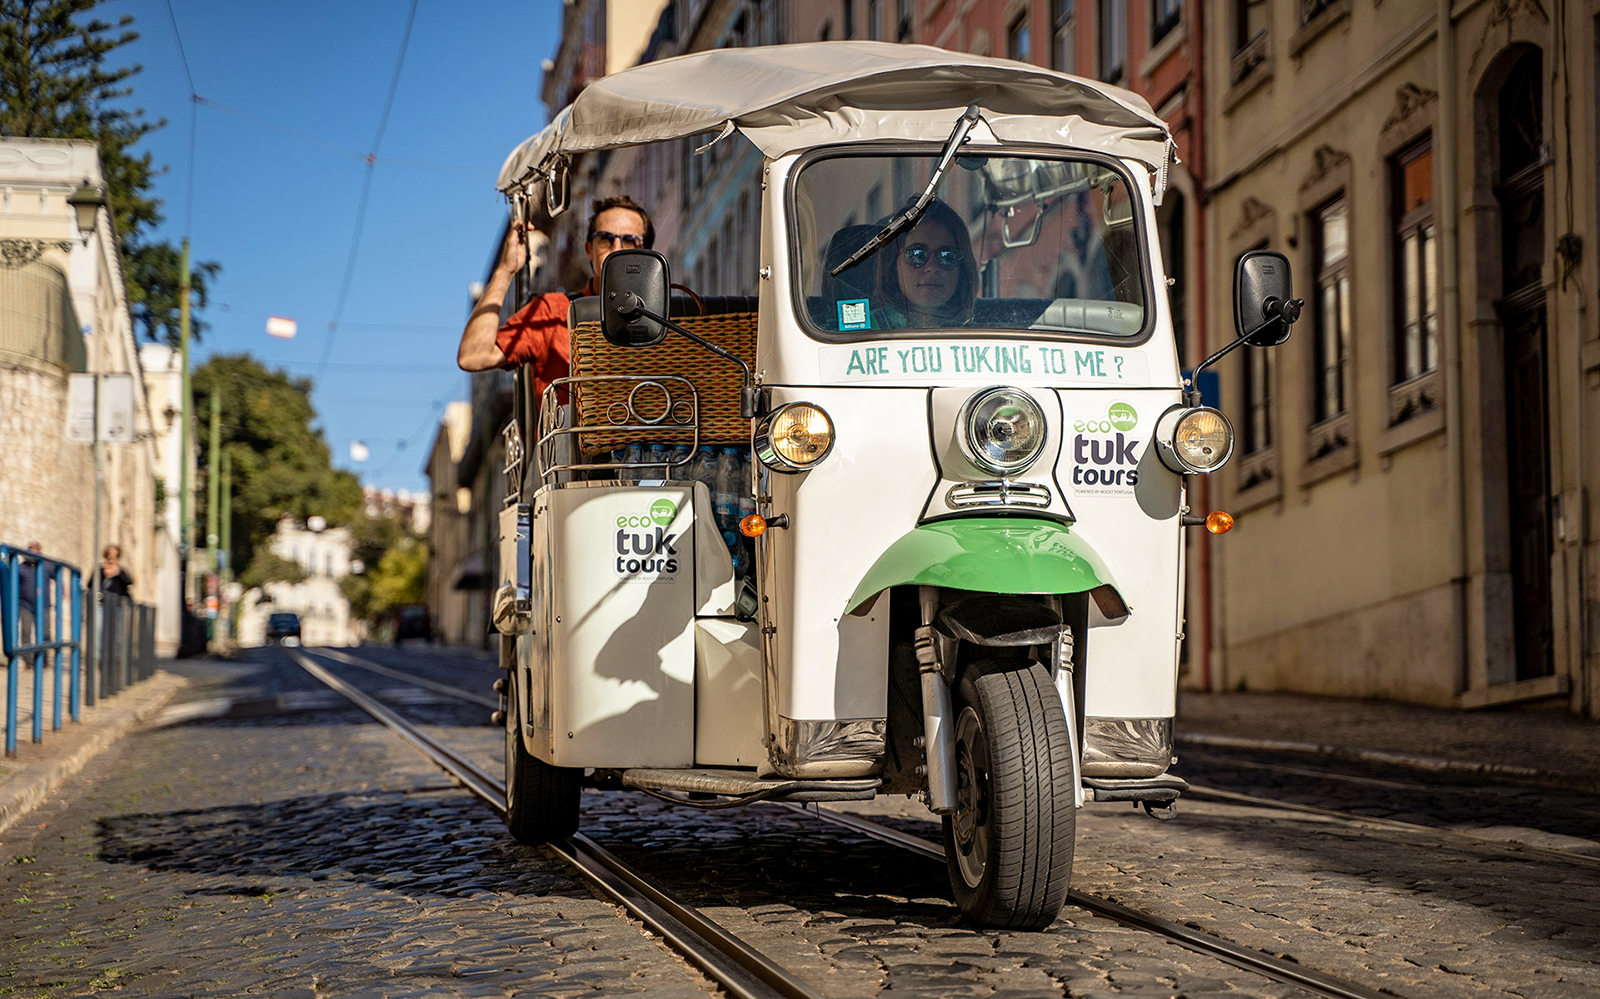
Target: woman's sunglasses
<point>627,239</point>
<point>917,256</point>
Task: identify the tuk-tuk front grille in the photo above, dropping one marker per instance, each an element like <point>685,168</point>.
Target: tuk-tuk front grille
<point>999,492</point>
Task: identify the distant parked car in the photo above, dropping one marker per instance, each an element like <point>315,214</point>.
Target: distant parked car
<point>412,621</point>
<point>283,625</point>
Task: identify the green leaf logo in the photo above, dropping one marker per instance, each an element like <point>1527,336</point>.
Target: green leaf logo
<point>1122,416</point>
<point>662,511</point>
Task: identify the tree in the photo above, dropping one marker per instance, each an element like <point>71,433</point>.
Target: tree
<point>54,84</point>
<point>281,463</point>
<point>396,575</point>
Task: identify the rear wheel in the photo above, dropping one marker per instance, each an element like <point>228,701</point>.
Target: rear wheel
<point>541,800</point>
<point>1009,844</point>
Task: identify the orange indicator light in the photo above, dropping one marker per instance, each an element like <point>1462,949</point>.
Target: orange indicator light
<point>753,526</point>
<point>1219,522</point>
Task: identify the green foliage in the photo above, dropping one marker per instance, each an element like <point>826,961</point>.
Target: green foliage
<point>269,567</point>
<point>281,463</point>
<point>54,84</point>
<point>401,576</point>
<point>396,561</point>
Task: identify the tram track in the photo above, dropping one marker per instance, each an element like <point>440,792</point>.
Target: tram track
<point>734,964</point>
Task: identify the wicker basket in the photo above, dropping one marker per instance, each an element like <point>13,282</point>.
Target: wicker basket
<point>716,380</point>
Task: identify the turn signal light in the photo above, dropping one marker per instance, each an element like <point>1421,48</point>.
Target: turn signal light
<point>753,526</point>
<point>1219,522</point>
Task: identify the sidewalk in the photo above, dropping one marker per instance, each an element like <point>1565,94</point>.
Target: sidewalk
<point>39,768</point>
<point>1544,745</point>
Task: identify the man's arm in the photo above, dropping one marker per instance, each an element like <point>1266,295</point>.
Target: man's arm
<point>478,350</point>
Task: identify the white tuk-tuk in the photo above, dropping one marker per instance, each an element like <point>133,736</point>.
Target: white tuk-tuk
<point>908,521</point>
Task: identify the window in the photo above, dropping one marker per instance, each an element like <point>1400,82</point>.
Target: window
<point>1258,373</point>
<point>875,19</point>
<point>849,19</point>
<point>1330,248</point>
<point>1164,16</point>
<point>1113,16</point>
<point>1249,22</point>
<point>902,20</point>
<point>1416,275</point>
<point>1062,50</point>
<point>1311,8</point>
<point>1017,39</point>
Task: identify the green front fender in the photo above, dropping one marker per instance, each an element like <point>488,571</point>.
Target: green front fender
<point>992,555</point>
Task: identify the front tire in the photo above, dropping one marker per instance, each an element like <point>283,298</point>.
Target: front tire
<point>1009,844</point>
<point>541,800</point>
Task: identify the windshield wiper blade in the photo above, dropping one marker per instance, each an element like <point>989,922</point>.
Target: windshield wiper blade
<point>907,218</point>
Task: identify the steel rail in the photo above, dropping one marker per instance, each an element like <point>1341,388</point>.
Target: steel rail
<point>739,968</point>
<point>404,677</point>
<point>1515,849</point>
<point>1239,956</point>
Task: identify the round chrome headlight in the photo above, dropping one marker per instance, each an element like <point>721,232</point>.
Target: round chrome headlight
<point>1002,430</point>
<point>1194,440</point>
<point>794,437</point>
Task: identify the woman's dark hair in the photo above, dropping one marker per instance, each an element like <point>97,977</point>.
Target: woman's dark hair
<point>621,201</point>
<point>958,310</point>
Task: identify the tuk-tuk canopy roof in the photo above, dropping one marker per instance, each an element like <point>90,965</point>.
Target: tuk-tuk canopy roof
<point>790,97</point>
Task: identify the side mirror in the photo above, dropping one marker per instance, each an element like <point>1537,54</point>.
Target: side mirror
<point>633,282</point>
<point>1263,304</point>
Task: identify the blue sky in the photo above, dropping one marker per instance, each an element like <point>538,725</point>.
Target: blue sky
<point>278,175</point>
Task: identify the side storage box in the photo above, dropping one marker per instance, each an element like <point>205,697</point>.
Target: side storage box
<point>620,623</point>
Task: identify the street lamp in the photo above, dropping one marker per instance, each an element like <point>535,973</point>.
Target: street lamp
<point>87,201</point>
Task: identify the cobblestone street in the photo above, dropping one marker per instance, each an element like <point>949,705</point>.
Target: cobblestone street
<point>293,847</point>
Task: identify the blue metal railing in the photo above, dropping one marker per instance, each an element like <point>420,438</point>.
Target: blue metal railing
<point>56,586</point>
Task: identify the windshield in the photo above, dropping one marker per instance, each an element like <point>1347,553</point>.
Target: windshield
<point>1009,243</point>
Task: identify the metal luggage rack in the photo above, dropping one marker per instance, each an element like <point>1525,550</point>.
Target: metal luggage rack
<point>654,403</point>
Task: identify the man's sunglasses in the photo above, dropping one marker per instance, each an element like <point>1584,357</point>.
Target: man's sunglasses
<point>627,239</point>
<point>917,256</point>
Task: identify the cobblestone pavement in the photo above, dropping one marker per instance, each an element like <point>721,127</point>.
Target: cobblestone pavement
<point>294,848</point>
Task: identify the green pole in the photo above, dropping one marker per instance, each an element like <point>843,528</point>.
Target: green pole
<point>183,426</point>
<point>225,553</point>
<point>213,494</point>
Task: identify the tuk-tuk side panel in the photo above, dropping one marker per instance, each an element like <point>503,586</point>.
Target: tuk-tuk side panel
<point>1127,507</point>
<point>829,665</point>
<point>621,664</point>
<point>729,731</point>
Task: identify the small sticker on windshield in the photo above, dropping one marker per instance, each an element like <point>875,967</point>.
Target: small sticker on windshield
<point>855,315</point>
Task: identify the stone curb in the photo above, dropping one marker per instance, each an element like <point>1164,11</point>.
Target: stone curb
<point>1434,763</point>
<point>77,744</point>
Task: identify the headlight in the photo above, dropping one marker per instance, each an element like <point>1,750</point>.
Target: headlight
<point>794,437</point>
<point>1002,430</point>
<point>1194,440</point>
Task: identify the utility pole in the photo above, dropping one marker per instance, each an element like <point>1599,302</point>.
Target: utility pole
<point>213,494</point>
<point>183,429</point>
<point>225,553</point>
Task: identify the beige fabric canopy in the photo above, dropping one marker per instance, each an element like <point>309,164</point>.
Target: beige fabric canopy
<point>790,97</point>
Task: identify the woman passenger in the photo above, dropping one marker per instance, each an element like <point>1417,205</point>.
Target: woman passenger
<point>928,278</point>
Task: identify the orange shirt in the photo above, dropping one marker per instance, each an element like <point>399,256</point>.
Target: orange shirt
<point>536,335</point>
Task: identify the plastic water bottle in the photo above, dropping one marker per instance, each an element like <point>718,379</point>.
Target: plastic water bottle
<point>679,453</point>
<point>633,453</point>
<point>741,471</point>
<point>658,456</point>
<point>725,497</point>
<point>704,468</point>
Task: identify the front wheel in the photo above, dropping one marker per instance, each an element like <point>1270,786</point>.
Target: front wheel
<point>1008,845</point>
<point>541,800</point>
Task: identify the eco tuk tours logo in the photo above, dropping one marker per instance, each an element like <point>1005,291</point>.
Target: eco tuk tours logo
<point>1105,459</point>
<point>645,551</point>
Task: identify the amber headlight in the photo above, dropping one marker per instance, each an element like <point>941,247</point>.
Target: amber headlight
<point>1001,430</point>
<point>1194,440</point>
<point>794,437</point>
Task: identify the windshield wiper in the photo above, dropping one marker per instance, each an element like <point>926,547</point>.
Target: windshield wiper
<point>908,218</point>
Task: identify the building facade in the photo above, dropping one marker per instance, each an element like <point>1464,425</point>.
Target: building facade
<point>324,557</point>
<point>448,530</point>
<point>64,310</point>
<point>1415,465</point>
